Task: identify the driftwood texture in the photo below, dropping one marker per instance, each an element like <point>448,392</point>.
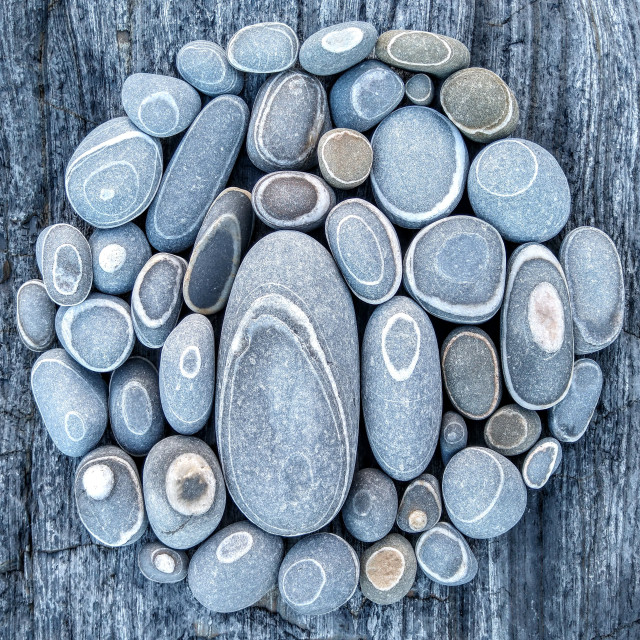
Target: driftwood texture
<point>571,567</point>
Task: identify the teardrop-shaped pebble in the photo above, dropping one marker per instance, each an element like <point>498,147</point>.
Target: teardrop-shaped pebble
<point>345,157</point>
<point>35,315</point>
<point>419,89</point>
<point>541,463</point>
<point>512,430</point>
<point>266,47</point>
<point>453,435</point>
<point>159,563</point>
<point>205,66</point>
<point>421,505</point>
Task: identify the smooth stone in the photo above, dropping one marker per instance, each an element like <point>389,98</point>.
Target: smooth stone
<point>183,491</point>
<point>366,249</point>
<point>137,421</point>
<point>205,66</point>
<point>290,114</point>
<point>445,556</point>
<point>541,463</point>
<point>519,188</point>
<point>536,331</point>
<point>287,397</point>
<point>35,315</point>
<point>292,200</point>
<point>108,496</point>
<point>512,430</point>
<point>456,269</point>
<point>401,387</point>
<point>217,252</point>
<point>197,173</point>
<point>118,256</point>
<point>364,95</point>
<point>569,419</point>
<point>419,89</point>
<point>98,332</point>
<point>159,563</point>
<point>72,402</point>
<point>156,299</point>
<point>421,505</point>
<point>369,512</point>
<point>596,287</point>
<point>114,174</point>
<point>453,435</point>
<point>345,157</point>
<point>420,166</point>
<point>235,567</point>
<point>319,574</point>
<point>266,47</point>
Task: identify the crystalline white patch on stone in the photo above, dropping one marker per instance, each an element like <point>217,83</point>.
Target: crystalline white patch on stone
<point>234,547</point>
<point>417,519</point>
<point>190,362</point>
<point>546,317</point>
<point>392,580</point>
<point>74,426</point>
<point>314,566</point>
<point>343,40</point>
<point>98,481</point>
<point>403,373</point>
<point>112,257</point>
<point>464,558</point>
<point>131,394</point>
<point>160,97</point>
<point>107,194</point>
<point>448,51</point>
<point>164,562</point>
<point>494,166</point>
<point>185,467</point>
<point>537,451</point>
<point>346,258</point>
<point>64,281</point>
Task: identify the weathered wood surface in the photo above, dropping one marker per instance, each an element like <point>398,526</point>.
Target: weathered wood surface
<point>571,568</point>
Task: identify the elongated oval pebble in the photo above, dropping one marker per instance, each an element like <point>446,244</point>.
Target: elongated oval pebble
<point>512,430</point>
<point>453,435</point>
<point>419,89</point>
<point>345,158</point>
<point>205,66</point>
<point>35,315</point>
<point>541,463</point>
<point>421,505</point>
<point>159,563</point>
<point>266,47</point>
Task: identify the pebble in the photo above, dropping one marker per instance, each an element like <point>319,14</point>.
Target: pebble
<point>287,398</point>
<point>569,419</point>
<point>345,157</point>
<point>541,463</point>
<point>183,491</point>
<point>205,66</point>
<point>197,173</point>
<point>536,333</point>
<point>483,492</point>
<point>266,47</point>
<point>419,89</point>
<point>596,287</point>
<point>401,387</point>
<point>453,435</point>
<point>114,174</point>
<point>519,188</point>
<point>512,430</point>
<point>420,166</point>
<point>456,269</point>
<point>217,252</point>
<point>290,114</point>
<point>319,574</point>
<point>109,498</point>
<point>159,563</point>
<point>421,505</point>
<point>35,315</point>
<point>366,249</point>
<point>371,506</point>
<point>235,567</point>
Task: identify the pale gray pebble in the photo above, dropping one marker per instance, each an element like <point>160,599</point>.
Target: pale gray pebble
<point>483,492</point>
<point>319,574</point>
<point>420,166</point>
<point>72,402</point>
<point>419,89</point>
<point>205,66</point>
<point>512,430</point>
<point>35,315</point>
<point>345,157</point>
<point>287,397</point>
<point>371,506</point>
<point>218,250</point>
<point>183,491</point>
<point>366,249</point>
<point>197,173</point>
<point>569,419</point>
<point>596,287</point>
<point>401,387</point>
<point>160,563</point>
<point>541,463</point>
<point>421,505</point>
<point>235,567</point>
<point>108,496</point>
<point>266,47</point>
<point>114,174</point>
<point>289,116</point>
<point>453,435</point>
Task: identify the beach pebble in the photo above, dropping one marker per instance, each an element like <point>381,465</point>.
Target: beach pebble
<point>35,315</point>
<point>205,66</point>
<point>541,463</point>
<point>421,505</point>
<point>345,158</point>
<point>453,435</point>
<point>159,563</point>
<point>419,89</point>
<point>266,47</point>
<point>512,430</point>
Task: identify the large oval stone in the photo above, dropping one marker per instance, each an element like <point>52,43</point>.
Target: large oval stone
<point>205,66</point>
<point>266,47</point>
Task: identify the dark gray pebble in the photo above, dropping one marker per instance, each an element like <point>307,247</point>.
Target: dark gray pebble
<point>453,435</point>
<point>345,157</point>
<point>421,505</point>
<point>512,430</point>
<point>541,463</point>
<point>159,563</point>
<point>419,89</point>
<point>35,315</point>
<point>266,47</point>
<point>205,66</point>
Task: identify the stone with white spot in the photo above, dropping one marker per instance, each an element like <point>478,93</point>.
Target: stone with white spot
<point>265,47</point>
<point>35,315</point>
<point>512,430</point>
<point>205,66</point>
<point>345,157</point>
<point>419,89</point>
<point>453,435</point>
<point>541,463</point>
<point>421,505</point>
<point>160,563</point>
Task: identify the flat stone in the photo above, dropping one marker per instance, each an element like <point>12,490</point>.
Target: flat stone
<point>290,114</point>
<point>218,249</point>
<point>159,563</point>
<point>483,492</point>
<point>197,173</point>
<point>401,388</point>
<point>569,419</point>
<point>235,567</point>
<point>319,574</point>
<point>541,463</point>
<point>266,47</point>
<point>287,397</point>
<point>205,66</point>
<point>108,497</point>
<point>72,402</point>
<point>345,157</point>
<point>536,332</point>
<point>421,505</point>
<point>420,166</point>
<point>114,174</point>
<point>183,491</point>
<point>419,89</point>
<point>453,435</point>
<point>366,249</point>
<point>519,188</point>
<point>596,287</point>
<point>512,430</point>
<point>369,512</point>
<point>35,315</point>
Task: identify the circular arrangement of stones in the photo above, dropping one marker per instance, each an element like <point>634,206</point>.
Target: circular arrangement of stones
<point>279,393</point>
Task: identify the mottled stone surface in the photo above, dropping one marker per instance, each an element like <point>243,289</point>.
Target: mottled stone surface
<point>345,157</point>
<point>419,89</point>
<point>205,66</point>
<point>453,435</point>
<point>159,563</point>
<point>35,315</point>
<point>421,505</point>
<point>512,430</point>
<point>541,463</point>
<point>266,47</point>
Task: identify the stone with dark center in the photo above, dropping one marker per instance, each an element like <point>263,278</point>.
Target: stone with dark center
<point>541,463</point>
<point>345,158</point>
<point>35,315</point>
<point>419,89</point>
<point>453,435</point>
<point>160,563</point>
<point>266,47</point>
<point>205,66</point>
<point>512,430</point>
<point>421,505</point>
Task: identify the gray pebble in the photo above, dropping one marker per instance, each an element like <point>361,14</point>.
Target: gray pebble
<point>266,47</point>
<point>541,463</point>
<point>421,505</point>
<point>35,315</point>
<point>159,563</point>
<point>419,89</point>
<point>205,66</point>
<point>345,157</point>
<point>453,435</point>
<point>512,430</point>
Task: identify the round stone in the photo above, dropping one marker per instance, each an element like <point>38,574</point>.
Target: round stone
<point>541,463</point>
<point>453,435</point>
<point>419,89</point>
<point>421,505</point>
<point>159,563</point>
<point>266,47</point>
<point>205,66</point>
<point>345,158</point>
<point>512,430</point>
<point>35,315</point>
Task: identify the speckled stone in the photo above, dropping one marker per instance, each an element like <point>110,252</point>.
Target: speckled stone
<point>596,287</point>
<point>420,166</point>
<point>371,506</point>
<point>456,269</point>
<point>512,430</point>
<point>319,574</point>
<point>114,174</point>
<point>453,435</point>
<point>519,188</point>
<point>159,563</point>
<point>108,497</point>
<point>345,157</point>
<point>205,66</point>
<point>419,89</point>
<point>197,173</point>
<point>483,492</point>
<point>35,315</point>
<point>401,387</point>
<point>183,491</point>
<point>536,333</point>
<point>569,419</point>
<point>235,567</point>
<point>541,463</point>
<point>421,505</point>
<point>287,408</point>
<point>266,47</point>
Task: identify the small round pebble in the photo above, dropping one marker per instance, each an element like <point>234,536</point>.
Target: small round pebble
<point>266,47</point>
<point>419,89</point>
<point>345,158</point>
<point>453,435</point>
<point>512,430</point>
<point>421,505</point>
<point>159,563</point>
<point>541,463</point>
<point>205,66</point>
<point>35,315</point>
